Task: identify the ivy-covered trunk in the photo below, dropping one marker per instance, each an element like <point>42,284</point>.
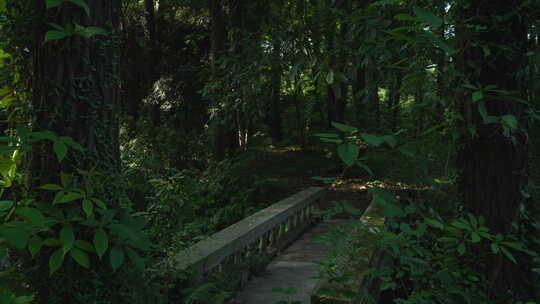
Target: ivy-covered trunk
<point>75,89</point>
<point>75,93</point>
<point>492,154</point>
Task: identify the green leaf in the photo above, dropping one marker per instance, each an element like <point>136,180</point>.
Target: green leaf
<point>51,187</point>
<point>61,29</point>
<point>33,215</point>
<point>52,242</point>
<point>5,205</point>
<point>16,237</point>
<point>390,140</point>
<point>67,197</point>
<point>71,143</point>
<point>405,17</point>
<point>508,255</point>
<point>67,237</point>
<point>84,245</point>
<point>60,149</point>
<point>348,153</point>
<point>55,261</point>
<point>135,258</point>
<point>494,247</point>
<point>428,17</point>
<point>34,245</point>
<point>461,249</point>
<point>372,139</point>
<point>82,4</point>
<point>434,223</point>
<point>88,207</point>
<point>384,2</point>
<point>344,128</point>
<point>80,257</point>
<point>332,135</point>
<point>43,135</point>
<point>92,31</point>
<point>23,299</point>
<point>477,95</point>
<point>136,237</point>
<point>99,203</point>
<point>330,77</point>
<point>52,3</point>
<point>475,238</point>
<point>65,179</point>
<point>510,121</point>
<point>399,36</point>
<point>331,140</point>
<point>483,112</point>
<point>101,242</point>
<point>116,257</point>
<point>55,35</point>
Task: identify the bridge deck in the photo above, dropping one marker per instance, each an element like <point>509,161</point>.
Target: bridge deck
<point>295,268</point>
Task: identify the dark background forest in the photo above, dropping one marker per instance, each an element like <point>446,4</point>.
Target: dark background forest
<point>131,129</point>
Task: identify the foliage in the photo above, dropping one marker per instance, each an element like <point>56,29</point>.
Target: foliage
<point>433,254</point>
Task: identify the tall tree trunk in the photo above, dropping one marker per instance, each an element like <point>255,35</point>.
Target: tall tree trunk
<point>341,102</point>
<point>76,91</point>
<point>275,95</point>
<point>372,92</point>
<point>76,94</point>
<point>395,96</point>
<point>217,49</point>
<point>493,162</point>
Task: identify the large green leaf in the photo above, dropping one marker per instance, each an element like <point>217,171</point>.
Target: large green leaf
<point>55,261</point>
<point>101,242</point>
<point>88,207</point>
<point>51,187</point>
<point>52,3</point>
<point>80,257</point>
<point>83,4</point>
<point>371,139</point>
<point>33,215</point>
<point>344,128</point>
<point>60,148</point>
<point>428,17</point>
<point>55,35</point>
<point>5,205</point>
<point>34,245</point>
<point>116,257</point>
<point>136,237</point>
<point>67,197</point>
<point>348,153</point>
<point>135,258</point>
<point>15,236</point>
<point>23,300</point>
<point>67,237</point>
<point>330,77</point>
<point>84,245</point>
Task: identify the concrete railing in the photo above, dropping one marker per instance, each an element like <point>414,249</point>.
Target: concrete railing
<point>263,232</point>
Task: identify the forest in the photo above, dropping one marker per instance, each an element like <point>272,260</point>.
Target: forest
<point>130,130</point>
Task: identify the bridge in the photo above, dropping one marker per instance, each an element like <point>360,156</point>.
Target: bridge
<point>277,243</point>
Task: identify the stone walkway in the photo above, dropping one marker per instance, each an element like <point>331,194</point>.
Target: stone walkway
<point>296,268</point>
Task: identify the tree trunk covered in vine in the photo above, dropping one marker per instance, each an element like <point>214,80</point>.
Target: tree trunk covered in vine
<point>76,90</point>
<point>493,160</point>
<point>75,93</point>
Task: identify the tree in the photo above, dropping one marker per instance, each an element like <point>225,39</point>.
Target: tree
<point>75,94</point>
<point>492,154</point>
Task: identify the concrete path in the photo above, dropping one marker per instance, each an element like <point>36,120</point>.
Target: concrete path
<point>296,268</point>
